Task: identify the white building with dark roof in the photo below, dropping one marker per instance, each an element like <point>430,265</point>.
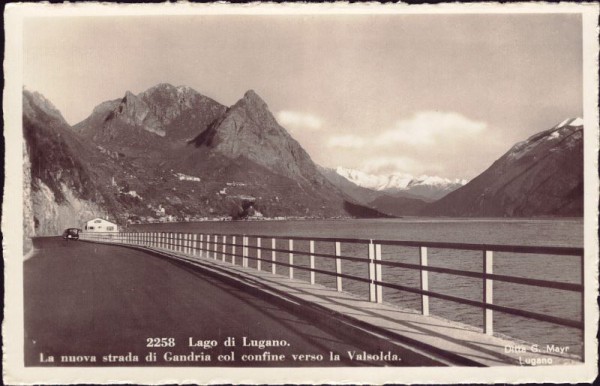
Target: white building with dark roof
<point>100,225</point>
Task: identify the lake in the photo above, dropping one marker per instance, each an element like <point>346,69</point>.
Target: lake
<point>537,232</point>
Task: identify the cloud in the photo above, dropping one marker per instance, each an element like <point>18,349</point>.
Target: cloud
<point>296,120</point>
<point>346,142</point>
<point>430,128</point>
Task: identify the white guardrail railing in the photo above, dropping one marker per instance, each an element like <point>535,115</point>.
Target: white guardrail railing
<point>229,248</point>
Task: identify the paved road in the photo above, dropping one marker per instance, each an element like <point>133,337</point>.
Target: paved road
<point>84,299</point>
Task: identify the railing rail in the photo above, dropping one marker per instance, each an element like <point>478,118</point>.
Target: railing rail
<point>231,246</point>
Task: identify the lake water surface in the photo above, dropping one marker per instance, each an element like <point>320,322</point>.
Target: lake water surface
<point>533,232</point>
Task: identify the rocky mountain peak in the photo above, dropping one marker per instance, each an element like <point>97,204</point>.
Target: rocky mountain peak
<point>542,175</point>
<point>35,104</point>
<point>136,112</point>
<point>252,95</point>
<point>573,122</point>
<point>251,101</point>
<point>164,110</point>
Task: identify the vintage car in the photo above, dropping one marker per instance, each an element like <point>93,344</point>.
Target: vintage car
<point>71,234</point>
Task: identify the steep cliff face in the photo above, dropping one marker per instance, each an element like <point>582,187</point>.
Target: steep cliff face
<point>541,176</point>
<point>59,190</point>
<point>28,220</point>
<point>52,216</point>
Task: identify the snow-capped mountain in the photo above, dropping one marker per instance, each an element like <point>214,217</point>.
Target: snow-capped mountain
<point>427,187</point>
<point>541,176</point>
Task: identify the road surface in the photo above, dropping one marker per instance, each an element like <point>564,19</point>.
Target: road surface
<point>110,304</point>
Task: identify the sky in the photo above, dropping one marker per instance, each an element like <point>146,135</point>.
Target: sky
<point>436,94</point>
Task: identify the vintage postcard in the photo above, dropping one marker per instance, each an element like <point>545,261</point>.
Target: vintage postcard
<point>300,194</point>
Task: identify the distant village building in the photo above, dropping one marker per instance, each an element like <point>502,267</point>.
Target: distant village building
<point>185,177</point>
<point>100,225</point>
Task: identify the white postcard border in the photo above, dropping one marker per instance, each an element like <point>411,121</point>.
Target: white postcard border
<point>13,334</point>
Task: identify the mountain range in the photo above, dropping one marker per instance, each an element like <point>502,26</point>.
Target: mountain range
<point>429,188</point>
<point>172,154</point>
<point>541,176</point>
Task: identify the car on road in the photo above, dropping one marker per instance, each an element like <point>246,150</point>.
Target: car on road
<point>71,234</point>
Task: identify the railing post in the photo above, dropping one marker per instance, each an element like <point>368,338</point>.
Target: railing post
<point>291,258</point>
<point>194,244</point>
<point>245,251</point>
<point>273,256</point>
<point>372,292</point>
<point>201,244</point>
<point>216,246</point>
<point>338,266</point>
<point>312,261</point>
<point>258,255</point>
<point>488,287</point>
<point>424,281</point>
<point>224,247</point>
<point>233,250</point>
<point>378,288</point>
<point>188,243</point>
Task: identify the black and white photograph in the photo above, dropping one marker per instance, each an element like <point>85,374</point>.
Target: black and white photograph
<point>300,193</point>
